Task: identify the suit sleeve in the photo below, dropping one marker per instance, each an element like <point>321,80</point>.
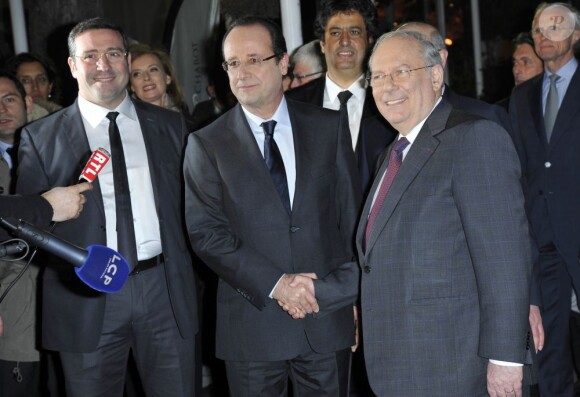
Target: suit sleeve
<point>212,235</point>
<point>490,202</point>
<point>33,209</point>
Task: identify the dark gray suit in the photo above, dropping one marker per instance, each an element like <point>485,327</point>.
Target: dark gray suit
<point>447,266</point>
<point>52,153</point>
<point>240,229</point>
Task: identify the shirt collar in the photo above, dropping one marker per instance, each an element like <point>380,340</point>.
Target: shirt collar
<point>566,72</point>
<point>94,114</point>
<point>280,115</point>
<point>357,88</point>
<point>412,135</point>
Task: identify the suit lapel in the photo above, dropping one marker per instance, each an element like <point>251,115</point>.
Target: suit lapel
<point>570,106</point>
<point>81,150</point>
<point>419,153</point>
<point>302,154</point>
<point>535,105</point>
<point>243,146</point>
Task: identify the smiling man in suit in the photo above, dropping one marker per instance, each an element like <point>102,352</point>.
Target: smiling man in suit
<point>271,192</point>
<point>545,113</point>
<point>135,208</point>
<point>443,240</point>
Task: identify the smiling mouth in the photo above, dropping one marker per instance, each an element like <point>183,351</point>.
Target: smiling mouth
<point>149,87</point>
<point>395,102</point>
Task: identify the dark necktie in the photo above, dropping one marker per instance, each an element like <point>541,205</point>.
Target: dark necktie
<point>126,244</point>
<point>343,97</point>
<point>395,161</point>
<point>275,164</point>
<point>552,104</point>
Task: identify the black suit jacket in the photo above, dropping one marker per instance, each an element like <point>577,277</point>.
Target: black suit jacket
<point>374,135</point>
<point>240,229</point>
<point>52,153</point>
<point>32,209</point>
<point>550,170</point>
<point>479,108</point>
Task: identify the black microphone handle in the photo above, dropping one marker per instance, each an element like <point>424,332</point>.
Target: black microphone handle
<point>47,241</point>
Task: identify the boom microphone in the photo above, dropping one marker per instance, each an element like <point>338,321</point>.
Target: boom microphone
<point>99,267</point>
<point>96,162</point>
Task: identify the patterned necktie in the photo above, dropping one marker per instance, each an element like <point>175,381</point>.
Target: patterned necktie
<point>275,163</point>
<point>552,104</point>
<point>395,161</point>
<point>126,244</point>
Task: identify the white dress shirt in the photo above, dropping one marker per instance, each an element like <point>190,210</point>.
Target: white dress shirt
<point>354,105</point>
<point>147,233</point>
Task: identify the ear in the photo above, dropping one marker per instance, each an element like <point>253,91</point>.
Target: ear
<point>283,64</point>
<point>444,54</point>
<point>437,74</point>
<point>73,67</point>
<point>28,103</point>
<point>167,79</point>
<point>575,36</point>
<point>322,46</point>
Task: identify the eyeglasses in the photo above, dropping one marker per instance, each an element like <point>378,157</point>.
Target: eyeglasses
<point>398,76</point>
<point>251,61</point>
<point>113,56</point>
<point>303,76</point>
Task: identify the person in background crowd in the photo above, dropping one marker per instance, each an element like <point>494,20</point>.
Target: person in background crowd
<point>40,82</point>
<point>307,63</point>
<point>545,115</point>
<point>526,62</point>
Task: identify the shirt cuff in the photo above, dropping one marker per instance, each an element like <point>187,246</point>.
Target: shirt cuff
<point>505,363</point>
<point>272,292</point>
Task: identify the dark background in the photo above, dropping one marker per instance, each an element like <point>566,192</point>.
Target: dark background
<point>151,21</point>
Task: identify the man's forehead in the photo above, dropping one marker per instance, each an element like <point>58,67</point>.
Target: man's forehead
<point>246,41</point>
<point>391,58</point>
<point>108,37</point>
<point>7,87</point>
<point>345,19</point>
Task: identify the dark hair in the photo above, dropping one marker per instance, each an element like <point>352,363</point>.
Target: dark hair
<point>10,76</point>
<point>173,88</point>
<point>278,41</point>
<point>329,8</point>
<point>14,63</point>
<point>523,38</point>
<point>93,24</point>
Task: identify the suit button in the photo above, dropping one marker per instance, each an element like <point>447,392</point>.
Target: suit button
<point>367,269</point>
<point>294,229</point>
<point>547,164</point>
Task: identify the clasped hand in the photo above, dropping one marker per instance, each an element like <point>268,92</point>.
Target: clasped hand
<point>295,294</point>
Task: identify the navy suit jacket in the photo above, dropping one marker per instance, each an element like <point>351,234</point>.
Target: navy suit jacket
<point>550,169</point>
<point>53,152</point>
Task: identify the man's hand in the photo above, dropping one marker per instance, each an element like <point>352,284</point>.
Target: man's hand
<point>356,330</point>
<point>537,327</point>
<point>67,202</point>
<point>504,381</point>
<point>295,294</point>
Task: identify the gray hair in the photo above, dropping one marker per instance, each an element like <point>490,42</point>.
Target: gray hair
<point>310,54</point>
<point>435,37</point>
<point>429,53</point>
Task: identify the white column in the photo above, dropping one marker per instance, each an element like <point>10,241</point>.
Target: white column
<point>18,26</point>
<point>291,23</point>
<point>440,7</point>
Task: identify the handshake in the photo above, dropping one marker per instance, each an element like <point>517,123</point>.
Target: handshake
<point>295,294</point>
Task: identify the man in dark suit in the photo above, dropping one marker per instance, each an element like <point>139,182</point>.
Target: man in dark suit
<point>261,208</point>
<point>155,314</point>
<point>443,243</point>
<point>470,105</point>
<point>545,114</point>
<point>346,29</point>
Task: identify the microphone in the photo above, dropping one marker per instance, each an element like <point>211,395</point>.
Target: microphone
<point>99,158</point>
<point>99,267</point>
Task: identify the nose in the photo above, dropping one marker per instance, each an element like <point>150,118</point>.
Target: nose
<point>344,38</point>
<point>103,62</point>
<point>146,76</point>
<point>33,85</point>
<point>2,107</point>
